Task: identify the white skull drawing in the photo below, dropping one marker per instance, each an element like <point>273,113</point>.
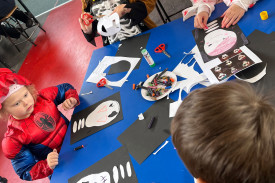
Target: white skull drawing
<point>217,69</point>
<point>103,177</point>
<point>241,57</point>
<point>224,56</point>
<point>104,113</point>
<point>233,70</point>
<point>237,51</point>
<point>246,63</point>
<point>228,62</point>
<point>221,76</point>
<point>219,41</point>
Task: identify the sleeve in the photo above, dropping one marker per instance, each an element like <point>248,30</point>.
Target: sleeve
<point>24,162</point>
<point>91,37</point>
<point>60,93</point>
<point>199,6</point>
<point>245,4</point>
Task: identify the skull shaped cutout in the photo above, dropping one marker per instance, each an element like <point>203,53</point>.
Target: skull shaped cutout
<point>224,56</point>
<point>103,114</point>
<point>221,76</point>
<point>103,177</point>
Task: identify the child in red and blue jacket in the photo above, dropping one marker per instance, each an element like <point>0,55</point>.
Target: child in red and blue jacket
<point>36,128</point>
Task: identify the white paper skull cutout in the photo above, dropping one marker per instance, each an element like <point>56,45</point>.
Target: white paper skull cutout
<point>104,113</point>
<point>219,41</point>
<point>237,51</point>
<point>103,177</point>
<point>110,23</point>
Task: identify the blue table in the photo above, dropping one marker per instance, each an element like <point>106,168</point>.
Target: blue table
<point>166,166</point>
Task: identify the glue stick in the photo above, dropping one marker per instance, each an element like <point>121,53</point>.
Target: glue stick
<point>148,57</point>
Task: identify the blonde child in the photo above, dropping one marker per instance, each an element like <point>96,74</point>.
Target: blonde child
<point>202,10</point>
<point>36,128</point>
<point>226,134</point>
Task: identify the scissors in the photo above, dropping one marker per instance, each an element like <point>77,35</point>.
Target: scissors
<point>90,18</point>
<point>103,82</point>
<point>161,49</point>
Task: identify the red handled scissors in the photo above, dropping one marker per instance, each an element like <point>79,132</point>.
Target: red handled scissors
<point>103,82</point>
<point>88,17</point>
<point>161,49</point>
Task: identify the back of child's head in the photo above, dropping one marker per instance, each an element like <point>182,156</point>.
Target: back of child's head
<point>226,134</point>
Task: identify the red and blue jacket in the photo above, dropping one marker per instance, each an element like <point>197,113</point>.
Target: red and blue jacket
<point>27,142</point>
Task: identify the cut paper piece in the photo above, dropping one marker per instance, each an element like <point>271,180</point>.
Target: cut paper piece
<point>140,116</point>
<point>98,73</point>
<point>213,69</point>
<point>110,23</point>
<point>129,170</point>
<point>166,142</point>
<point>216,41</point>
<point>96,117</point>
<point>115,174</point>
<point>129,48</point>
<point>101,171</point>
<point>185,71</point>
<point>122,171</point>
<point>141,141</point>
<point>173,108</point>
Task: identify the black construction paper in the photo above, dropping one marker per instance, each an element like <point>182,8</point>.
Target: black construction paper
<point>118,158</point>
<point>104,113</point>
<point>129,48</point>
<point>200,34</point>
<point>263,45</point>
<point>141,141</point>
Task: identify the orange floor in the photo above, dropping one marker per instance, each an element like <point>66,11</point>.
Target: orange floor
<point>61,55</point>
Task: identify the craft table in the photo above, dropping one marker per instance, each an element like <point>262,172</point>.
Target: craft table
<point>165,166</point>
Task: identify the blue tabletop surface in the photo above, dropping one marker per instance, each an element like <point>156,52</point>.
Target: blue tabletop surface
<point>166,166</point>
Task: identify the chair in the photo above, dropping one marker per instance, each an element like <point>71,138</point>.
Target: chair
<point>13,23</point>
<point>165,18</point>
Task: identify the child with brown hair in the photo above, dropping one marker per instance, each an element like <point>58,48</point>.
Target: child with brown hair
<point>226,134</point>
<point>36,128</point>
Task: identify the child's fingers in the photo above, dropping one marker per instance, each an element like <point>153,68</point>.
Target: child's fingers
<point>231,21</point>
<point>237,20</point>
<point>200,21</point>
<point>82,24</point>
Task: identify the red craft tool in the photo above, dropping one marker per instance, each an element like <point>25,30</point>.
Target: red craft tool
<point>103,82</point>
<point>161,49</point>
<point>88,17</point>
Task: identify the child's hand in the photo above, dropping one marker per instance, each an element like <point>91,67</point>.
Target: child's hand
<point>121,11</point>
<point>86,29</point>
<point>69,103</point>
<point>200,20</point>
<point>52,159</point>
<point>232,15</point>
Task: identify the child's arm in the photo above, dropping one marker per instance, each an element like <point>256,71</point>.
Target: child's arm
<point>90,31</point>
<point>236,11</point>
<point>202,7</point>
<point>58,94</point>
<point>23,161</point>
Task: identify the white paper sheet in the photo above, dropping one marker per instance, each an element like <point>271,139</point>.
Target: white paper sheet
<point>98,73</point>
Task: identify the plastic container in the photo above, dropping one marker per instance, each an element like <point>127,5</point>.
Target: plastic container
<point>148,57</point>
